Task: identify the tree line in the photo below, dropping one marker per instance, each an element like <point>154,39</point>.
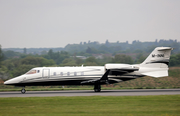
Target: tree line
<point>88,48</point>
<point>13,63</point>
<point>14,66</point>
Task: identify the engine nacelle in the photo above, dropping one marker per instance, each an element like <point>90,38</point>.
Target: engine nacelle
<point>117,66</point>
<point>120,69</point>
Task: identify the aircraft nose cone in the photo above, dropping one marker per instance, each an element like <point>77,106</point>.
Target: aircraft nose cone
<point>12,81</point>
<point>8,82</point>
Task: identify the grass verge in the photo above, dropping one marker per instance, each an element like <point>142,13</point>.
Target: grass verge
<point>163,105</point>
<point>80,88</point>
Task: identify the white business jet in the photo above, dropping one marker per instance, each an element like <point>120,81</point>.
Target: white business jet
<point>155,65</point>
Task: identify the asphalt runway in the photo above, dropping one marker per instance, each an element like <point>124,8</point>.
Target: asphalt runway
<point>127,92</point>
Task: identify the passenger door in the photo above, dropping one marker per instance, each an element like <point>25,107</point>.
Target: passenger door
<point>46,73</point>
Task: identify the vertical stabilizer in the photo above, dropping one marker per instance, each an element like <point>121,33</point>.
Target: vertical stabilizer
<point>156,64</point>
<point>159,58</point>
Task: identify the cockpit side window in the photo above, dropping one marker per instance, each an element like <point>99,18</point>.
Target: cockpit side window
<point>32,72</point>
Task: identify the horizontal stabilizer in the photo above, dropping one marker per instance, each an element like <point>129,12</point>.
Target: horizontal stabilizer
<point>157,74</point>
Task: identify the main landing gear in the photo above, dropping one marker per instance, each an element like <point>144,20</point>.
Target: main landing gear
<point>97,88</point>
<point>23,91</point>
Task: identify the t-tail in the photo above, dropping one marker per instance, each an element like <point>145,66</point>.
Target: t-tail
<point>156,64</point>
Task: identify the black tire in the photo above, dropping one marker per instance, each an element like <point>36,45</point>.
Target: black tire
<point>97,88</point>
<point>23,91</point>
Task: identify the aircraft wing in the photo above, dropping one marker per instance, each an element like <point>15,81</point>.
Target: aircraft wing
<point>103,79</point>
<point>114,71</point>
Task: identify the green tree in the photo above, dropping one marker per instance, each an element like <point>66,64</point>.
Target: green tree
<point>140,58</point>
<point>72,62</point>
<point>175,60</point>
<point>50,53</point>
<point>4,73</point>
<point>69,62</point>
<point>21,69</point>
<point>16,67</point>
<point>11,54</point>
<point>1,56</point>
<point>25,51</point>
<point>91,50</point>
<point>58,57</point>
<point>122,59</point>
<point>79,61</point>
<point>91,61</point>
<point>37,61</point>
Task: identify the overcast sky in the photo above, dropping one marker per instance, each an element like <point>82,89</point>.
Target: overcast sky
<point>56,23</point>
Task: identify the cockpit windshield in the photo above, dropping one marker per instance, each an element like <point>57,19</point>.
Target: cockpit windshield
<point>32,72</point>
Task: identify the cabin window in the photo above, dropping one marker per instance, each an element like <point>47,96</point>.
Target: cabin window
<point>75,73</point>
<point>54,73</point>
<point>68,73</point>
<point>61,73</point>
<point>82,73</point>
<point>38,71</point>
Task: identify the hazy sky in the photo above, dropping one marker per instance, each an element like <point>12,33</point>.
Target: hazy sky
<point>55,23</point>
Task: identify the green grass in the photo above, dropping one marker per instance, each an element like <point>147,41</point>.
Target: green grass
<point>164,105</point>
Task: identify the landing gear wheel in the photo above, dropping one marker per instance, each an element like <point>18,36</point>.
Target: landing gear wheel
<point>97,88</point>
<point>23,91</point>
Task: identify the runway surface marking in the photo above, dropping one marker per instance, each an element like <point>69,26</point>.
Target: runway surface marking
<point>127,92</point>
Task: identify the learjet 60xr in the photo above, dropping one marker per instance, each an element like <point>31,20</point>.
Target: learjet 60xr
<point>155,65</point>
